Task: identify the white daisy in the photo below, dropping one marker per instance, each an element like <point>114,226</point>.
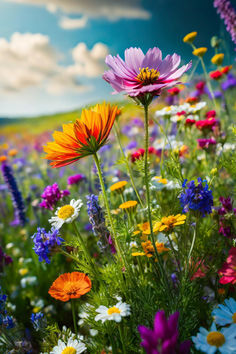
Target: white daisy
<point>196,107</point>
<point>114,313</point>
<point>66,213</point>
<point>73,346</point>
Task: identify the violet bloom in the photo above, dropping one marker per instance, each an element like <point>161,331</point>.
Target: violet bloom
<point>229,83</point>
<point>51,195</point>
<point>4,259</point>
<point>205,143</point>
<point>228,14</point>
<point>163,339</point>
<point>75,179</point>
<point>227,213</point>
<point>141,73</point>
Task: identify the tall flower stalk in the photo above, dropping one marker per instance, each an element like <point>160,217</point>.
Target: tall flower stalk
<point>18,203</point>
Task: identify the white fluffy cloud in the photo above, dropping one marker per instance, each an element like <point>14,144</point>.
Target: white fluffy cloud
<point>89,63</point>
<point>110,9</point>
<point>73,23</point>
<point>29,61</point>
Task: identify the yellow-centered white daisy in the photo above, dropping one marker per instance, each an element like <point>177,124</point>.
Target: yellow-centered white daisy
<point>114,313</point>
<point>73,346</point>
<point>66,213</point>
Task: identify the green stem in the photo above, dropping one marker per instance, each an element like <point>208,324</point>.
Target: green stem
<point>146,178</point>
<point>122,339</point>
<point>127,165</point>
<point>74,315</point>
<point>208,82</point>
<point>84,248</point>
<point>107,206</point>
<point>193,242</point>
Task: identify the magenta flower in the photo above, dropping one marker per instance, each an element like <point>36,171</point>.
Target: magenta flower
<point>75,179</point>
<point>205,143</point>
<point>51,195</point>
<point>140,74</point>
<point>163,339</point>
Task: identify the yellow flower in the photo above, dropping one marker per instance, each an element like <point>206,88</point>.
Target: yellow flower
<point>189,38</point>
<point>12,152</point>
<point>161,180</point>
<point>217,59</point>
<point>213,171</point>
<point>36,309</point>
<point>169,222</point>
<point>136,254</point>
<point>145,227</point>
<point>149,249</point>
<point>135,233</point>
<point>118,187</point>
<point>199,52</point>
<point>129,206</point>
<point>23,271</point>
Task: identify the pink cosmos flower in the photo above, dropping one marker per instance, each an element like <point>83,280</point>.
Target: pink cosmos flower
<point>141,73</point>
<point>228,270</point>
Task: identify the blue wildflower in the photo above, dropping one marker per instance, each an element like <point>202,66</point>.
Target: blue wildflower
<point>44,242</point>
<point>225,314</point>
<point>38,320</point>
<point>8,322</point>
<point>212,341</point>
<point>97,220</point>
<point>196,197</point>
<point>17,199</point>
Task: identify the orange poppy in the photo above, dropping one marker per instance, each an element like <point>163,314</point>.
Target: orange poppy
<point>82,138</point>
<point>70,286</point>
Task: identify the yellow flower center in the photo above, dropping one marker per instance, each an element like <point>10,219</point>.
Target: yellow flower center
<point>234,317</point>
<point>216,339</point>
<point>147,76</point>
<point>69,350</point>
<point>65,212</point>
<point>112,310</point>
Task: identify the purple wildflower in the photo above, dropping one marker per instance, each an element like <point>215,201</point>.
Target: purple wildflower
<point>228,14</point>
<point>230,82</point>
<point>140,73</point>
<point>18,203</point>
<point>51,195</point>
<point>75,179</point>
<point>45,242</point>
<point>205,143</point>
<point>97,221</point>
<point>163,338</point>
<point>227,213</point>
<point>196,197</point>
<point>38,321</point>
<point>4,259</point>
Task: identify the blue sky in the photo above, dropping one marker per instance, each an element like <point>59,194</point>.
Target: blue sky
<point>52,51</point>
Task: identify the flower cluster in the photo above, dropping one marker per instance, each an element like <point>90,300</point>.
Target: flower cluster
<point>51,195</point>
<point>38,321</point>
<point>45,242</point>
<point>196,197</point>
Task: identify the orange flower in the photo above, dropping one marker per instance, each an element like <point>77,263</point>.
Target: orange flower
<point>3,158</point>
<point>82,138</point>
<point>70,286</point>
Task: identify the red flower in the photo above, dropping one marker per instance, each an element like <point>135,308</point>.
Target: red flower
<point>228,270</point>
<point>206,123</point>
<point>191,100</point>
<point>137,155</point>
<point>216,75</point>
<point>181,113</point>
<point>151,150</point>
<point>226,69</point>
<point>174,91</point>
<point>200,85</point>
<point>190,122</point>
<point>211,114</point>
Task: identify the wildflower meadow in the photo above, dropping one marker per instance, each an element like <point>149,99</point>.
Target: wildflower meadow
<point>117,220</point>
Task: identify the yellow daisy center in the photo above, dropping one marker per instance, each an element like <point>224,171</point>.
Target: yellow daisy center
<point>69,350</point>
<point>112,310</point>
<point>147,76</point>
<point>216,339</point>
<point>234,317</point>
<point>65,212</point>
